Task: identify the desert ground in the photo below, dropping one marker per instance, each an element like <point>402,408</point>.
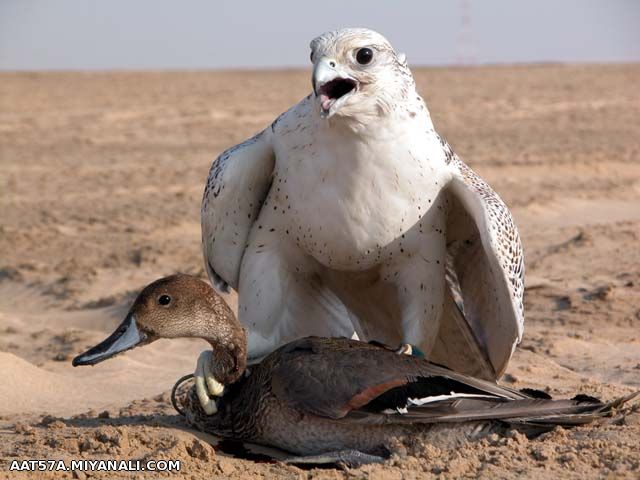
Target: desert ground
<point>101,180</point>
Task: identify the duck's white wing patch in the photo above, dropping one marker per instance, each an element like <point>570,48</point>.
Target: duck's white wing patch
<point>419,402</point>
<point>237,185</point>
<point>440,398</point>
<point>486,255</point>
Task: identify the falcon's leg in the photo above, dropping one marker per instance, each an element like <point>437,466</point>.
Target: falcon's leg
<point>206,384</point>
<point>282,298</point>
<point>420,284</point>
<point>347,458</point>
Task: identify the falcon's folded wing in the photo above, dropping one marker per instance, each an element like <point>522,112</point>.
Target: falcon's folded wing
<point>487,264</point>
<point>238,183</point>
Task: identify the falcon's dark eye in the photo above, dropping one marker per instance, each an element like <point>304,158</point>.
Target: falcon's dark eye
<point>311,56</point>
<point>364,56</point>
<point>164,300</point>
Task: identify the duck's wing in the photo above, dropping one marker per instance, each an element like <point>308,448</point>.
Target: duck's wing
<point>354,382</point>
<point>238,183</point>
<point>485,271</point>
<point>333,377</point>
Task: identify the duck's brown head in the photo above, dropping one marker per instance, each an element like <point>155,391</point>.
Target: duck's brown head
<point>173,307</point>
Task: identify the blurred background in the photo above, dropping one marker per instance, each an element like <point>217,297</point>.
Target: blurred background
<point>202,34</point>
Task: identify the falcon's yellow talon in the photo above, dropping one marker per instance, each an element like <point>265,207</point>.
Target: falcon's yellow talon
<point>206,384</point>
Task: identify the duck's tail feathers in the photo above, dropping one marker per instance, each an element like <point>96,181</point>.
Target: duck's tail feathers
<point>534,415</point>
<point>585,411</point>
<point>579,410</point>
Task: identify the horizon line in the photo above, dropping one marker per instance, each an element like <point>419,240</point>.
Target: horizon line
<point>299,68</point>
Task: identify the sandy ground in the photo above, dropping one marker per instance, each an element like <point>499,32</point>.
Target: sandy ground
<point>101,180</point>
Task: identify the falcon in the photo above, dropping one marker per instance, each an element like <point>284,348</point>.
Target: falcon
<point>349,214</point>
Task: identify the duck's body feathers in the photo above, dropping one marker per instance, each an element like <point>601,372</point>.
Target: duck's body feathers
<point>317,395</point>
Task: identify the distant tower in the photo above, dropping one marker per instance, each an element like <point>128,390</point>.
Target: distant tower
<point>466,48</point>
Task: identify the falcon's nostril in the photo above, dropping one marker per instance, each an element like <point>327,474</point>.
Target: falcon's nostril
<point>332,64</point>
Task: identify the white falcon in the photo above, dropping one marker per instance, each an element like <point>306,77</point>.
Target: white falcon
<point>349,213</point>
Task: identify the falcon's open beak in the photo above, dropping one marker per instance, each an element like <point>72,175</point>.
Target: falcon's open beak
<point>331,86</point>
<point>126,337</point>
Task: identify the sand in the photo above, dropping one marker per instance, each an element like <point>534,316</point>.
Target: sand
<point>102,175</point>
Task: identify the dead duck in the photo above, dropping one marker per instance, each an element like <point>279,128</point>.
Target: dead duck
<point>326,400</point>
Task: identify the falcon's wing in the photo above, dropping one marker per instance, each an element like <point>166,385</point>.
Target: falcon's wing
<point>237,186</point>
<point>332,377</point>
<point>486,264</point>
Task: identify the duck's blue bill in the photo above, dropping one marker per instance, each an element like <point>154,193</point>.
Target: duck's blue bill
<point>126,336</point>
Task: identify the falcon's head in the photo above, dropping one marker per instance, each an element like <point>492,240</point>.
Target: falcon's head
<point>356,73</point>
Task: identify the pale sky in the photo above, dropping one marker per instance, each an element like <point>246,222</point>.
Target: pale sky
<point>205,34</point>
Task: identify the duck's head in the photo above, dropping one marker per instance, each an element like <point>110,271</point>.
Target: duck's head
<point>173,307</point>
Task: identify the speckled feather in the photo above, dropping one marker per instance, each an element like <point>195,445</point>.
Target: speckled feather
<point>504,231</point>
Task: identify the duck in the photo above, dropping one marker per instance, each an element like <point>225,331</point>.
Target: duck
<point>326,400</point>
